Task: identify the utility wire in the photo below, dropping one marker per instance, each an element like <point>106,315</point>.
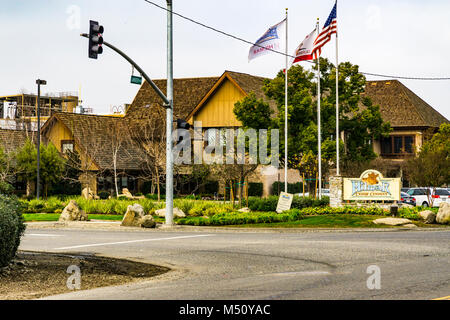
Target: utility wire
<point>282,53</point>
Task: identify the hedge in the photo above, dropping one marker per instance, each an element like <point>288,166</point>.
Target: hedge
<point>12,227</point>
<point>293,188</point>
<point>270,203</point>
<point>255,189</point>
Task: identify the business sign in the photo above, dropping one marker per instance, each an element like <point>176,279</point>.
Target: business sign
<point>371,185</point>
<point>284,202</point>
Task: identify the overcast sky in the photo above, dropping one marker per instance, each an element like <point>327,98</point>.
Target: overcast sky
<point>40,39</point>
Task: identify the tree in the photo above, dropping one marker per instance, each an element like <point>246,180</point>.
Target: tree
<point>149,137</point>
<point>359,119</point>
<point>26,164</point>
<point>431,167</point>
<point>51,166</point>
<point>119,139</point>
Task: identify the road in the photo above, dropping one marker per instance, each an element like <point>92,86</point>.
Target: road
<point>264,265</point>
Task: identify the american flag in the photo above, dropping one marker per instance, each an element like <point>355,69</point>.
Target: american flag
<point>329,28</point>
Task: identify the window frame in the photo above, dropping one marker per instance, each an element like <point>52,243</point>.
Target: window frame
<point>392,143</point>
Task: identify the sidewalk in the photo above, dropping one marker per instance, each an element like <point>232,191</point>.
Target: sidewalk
<point>115,226</point>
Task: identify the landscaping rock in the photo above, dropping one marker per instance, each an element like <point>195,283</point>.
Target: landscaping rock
<point>410,225</point>
<point>392,221</point>
<point>427,216</point>
<point>133,216</point>
<point>245,210</point>
<point>176,213</point>
<point>406,205</point>
<point>443,216</point>
<point>72,212</point>
<point>147,222</point>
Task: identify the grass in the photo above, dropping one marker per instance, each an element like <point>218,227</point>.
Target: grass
<point>35,217</point>
<point>323,221</point>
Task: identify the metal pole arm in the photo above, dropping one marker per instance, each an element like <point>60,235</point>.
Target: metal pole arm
<point>167,103</point>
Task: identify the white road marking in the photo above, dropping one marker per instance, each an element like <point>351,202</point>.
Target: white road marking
<point>299,273</point>
<point>130,241</point>
<point>43,235</point>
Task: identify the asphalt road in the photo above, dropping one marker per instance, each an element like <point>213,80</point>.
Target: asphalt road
<point>265,265</point>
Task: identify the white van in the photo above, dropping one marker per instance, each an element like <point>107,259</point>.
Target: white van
<point>420,194</point>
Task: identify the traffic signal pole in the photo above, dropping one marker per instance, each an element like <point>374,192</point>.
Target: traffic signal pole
<point>146,77</point>
<point>169,118</point>
<point>168,101</point>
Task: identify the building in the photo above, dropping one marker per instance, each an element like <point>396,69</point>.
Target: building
<point>411,118</point>
<point>104,148</point>
<point>211,100</point>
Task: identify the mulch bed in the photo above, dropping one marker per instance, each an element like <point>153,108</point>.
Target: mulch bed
<point>34,275</point>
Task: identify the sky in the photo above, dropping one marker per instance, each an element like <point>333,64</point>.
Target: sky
<point>40,39</point>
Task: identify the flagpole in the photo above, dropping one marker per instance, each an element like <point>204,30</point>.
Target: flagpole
<point>319,138</point>
<point>337,104</point>
<point>286,112</point>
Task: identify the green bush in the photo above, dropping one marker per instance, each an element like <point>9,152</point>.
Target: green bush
<point>293,188</point>
<point>12,228</point>
<point>270,203</point>
<point>5,188</point>
<point>103,195</point>
<point>255,189</point>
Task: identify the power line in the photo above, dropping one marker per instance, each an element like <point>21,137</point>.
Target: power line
<point>282,53</point>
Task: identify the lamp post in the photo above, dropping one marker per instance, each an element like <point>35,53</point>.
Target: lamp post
<point>39,82</point>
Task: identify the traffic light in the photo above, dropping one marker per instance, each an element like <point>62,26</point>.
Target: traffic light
<point>181,124</point>
<point>95,39</point>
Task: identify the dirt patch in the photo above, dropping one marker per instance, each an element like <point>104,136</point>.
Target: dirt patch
<point>34,275</point>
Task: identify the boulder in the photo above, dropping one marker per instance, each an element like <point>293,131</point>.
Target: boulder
<point>176,213</point>
<point>410,225</point>
<point>406,205</point>
<point>427,216</point>
<point>393,221</point>
<point>134,216</point>
<point>147,222</point>
<point>126,193</point>
<point>443,215</point>
<point>245,210</point>
<point>72,212</point>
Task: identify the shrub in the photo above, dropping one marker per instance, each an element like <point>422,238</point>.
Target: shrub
<point>12,227</point>
<point>103,195</point>
<point>293,188</point>
<point>255,189</point>
<point>6,188</point>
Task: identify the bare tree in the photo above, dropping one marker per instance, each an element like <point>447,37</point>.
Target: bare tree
<point>149,138</point>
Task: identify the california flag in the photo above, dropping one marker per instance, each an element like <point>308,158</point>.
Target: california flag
<point>271,40</point>
<point>304,50</point>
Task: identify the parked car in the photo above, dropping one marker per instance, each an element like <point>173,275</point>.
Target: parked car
<point>406,198</point>
<point>421,195</point>
<point>405,190</point>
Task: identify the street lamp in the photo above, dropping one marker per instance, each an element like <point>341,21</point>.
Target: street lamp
<point>39,82</point>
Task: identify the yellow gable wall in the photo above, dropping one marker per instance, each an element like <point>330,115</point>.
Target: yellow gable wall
<point>59,132</point>
<point>218,110</point>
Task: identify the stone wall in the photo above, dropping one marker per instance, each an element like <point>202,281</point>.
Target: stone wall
<point>336,191</point>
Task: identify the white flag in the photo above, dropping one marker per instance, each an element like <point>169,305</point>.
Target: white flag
<point>271,40</point>
<point>304,50</point>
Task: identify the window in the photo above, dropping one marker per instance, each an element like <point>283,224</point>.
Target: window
<point>67,145</point>
<point>397,145</point>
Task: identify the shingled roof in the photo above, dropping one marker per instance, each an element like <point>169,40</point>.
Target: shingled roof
<point>11,140</point>
<point>402,107</point>
<point>187,94</point>
<point>94,133</point>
